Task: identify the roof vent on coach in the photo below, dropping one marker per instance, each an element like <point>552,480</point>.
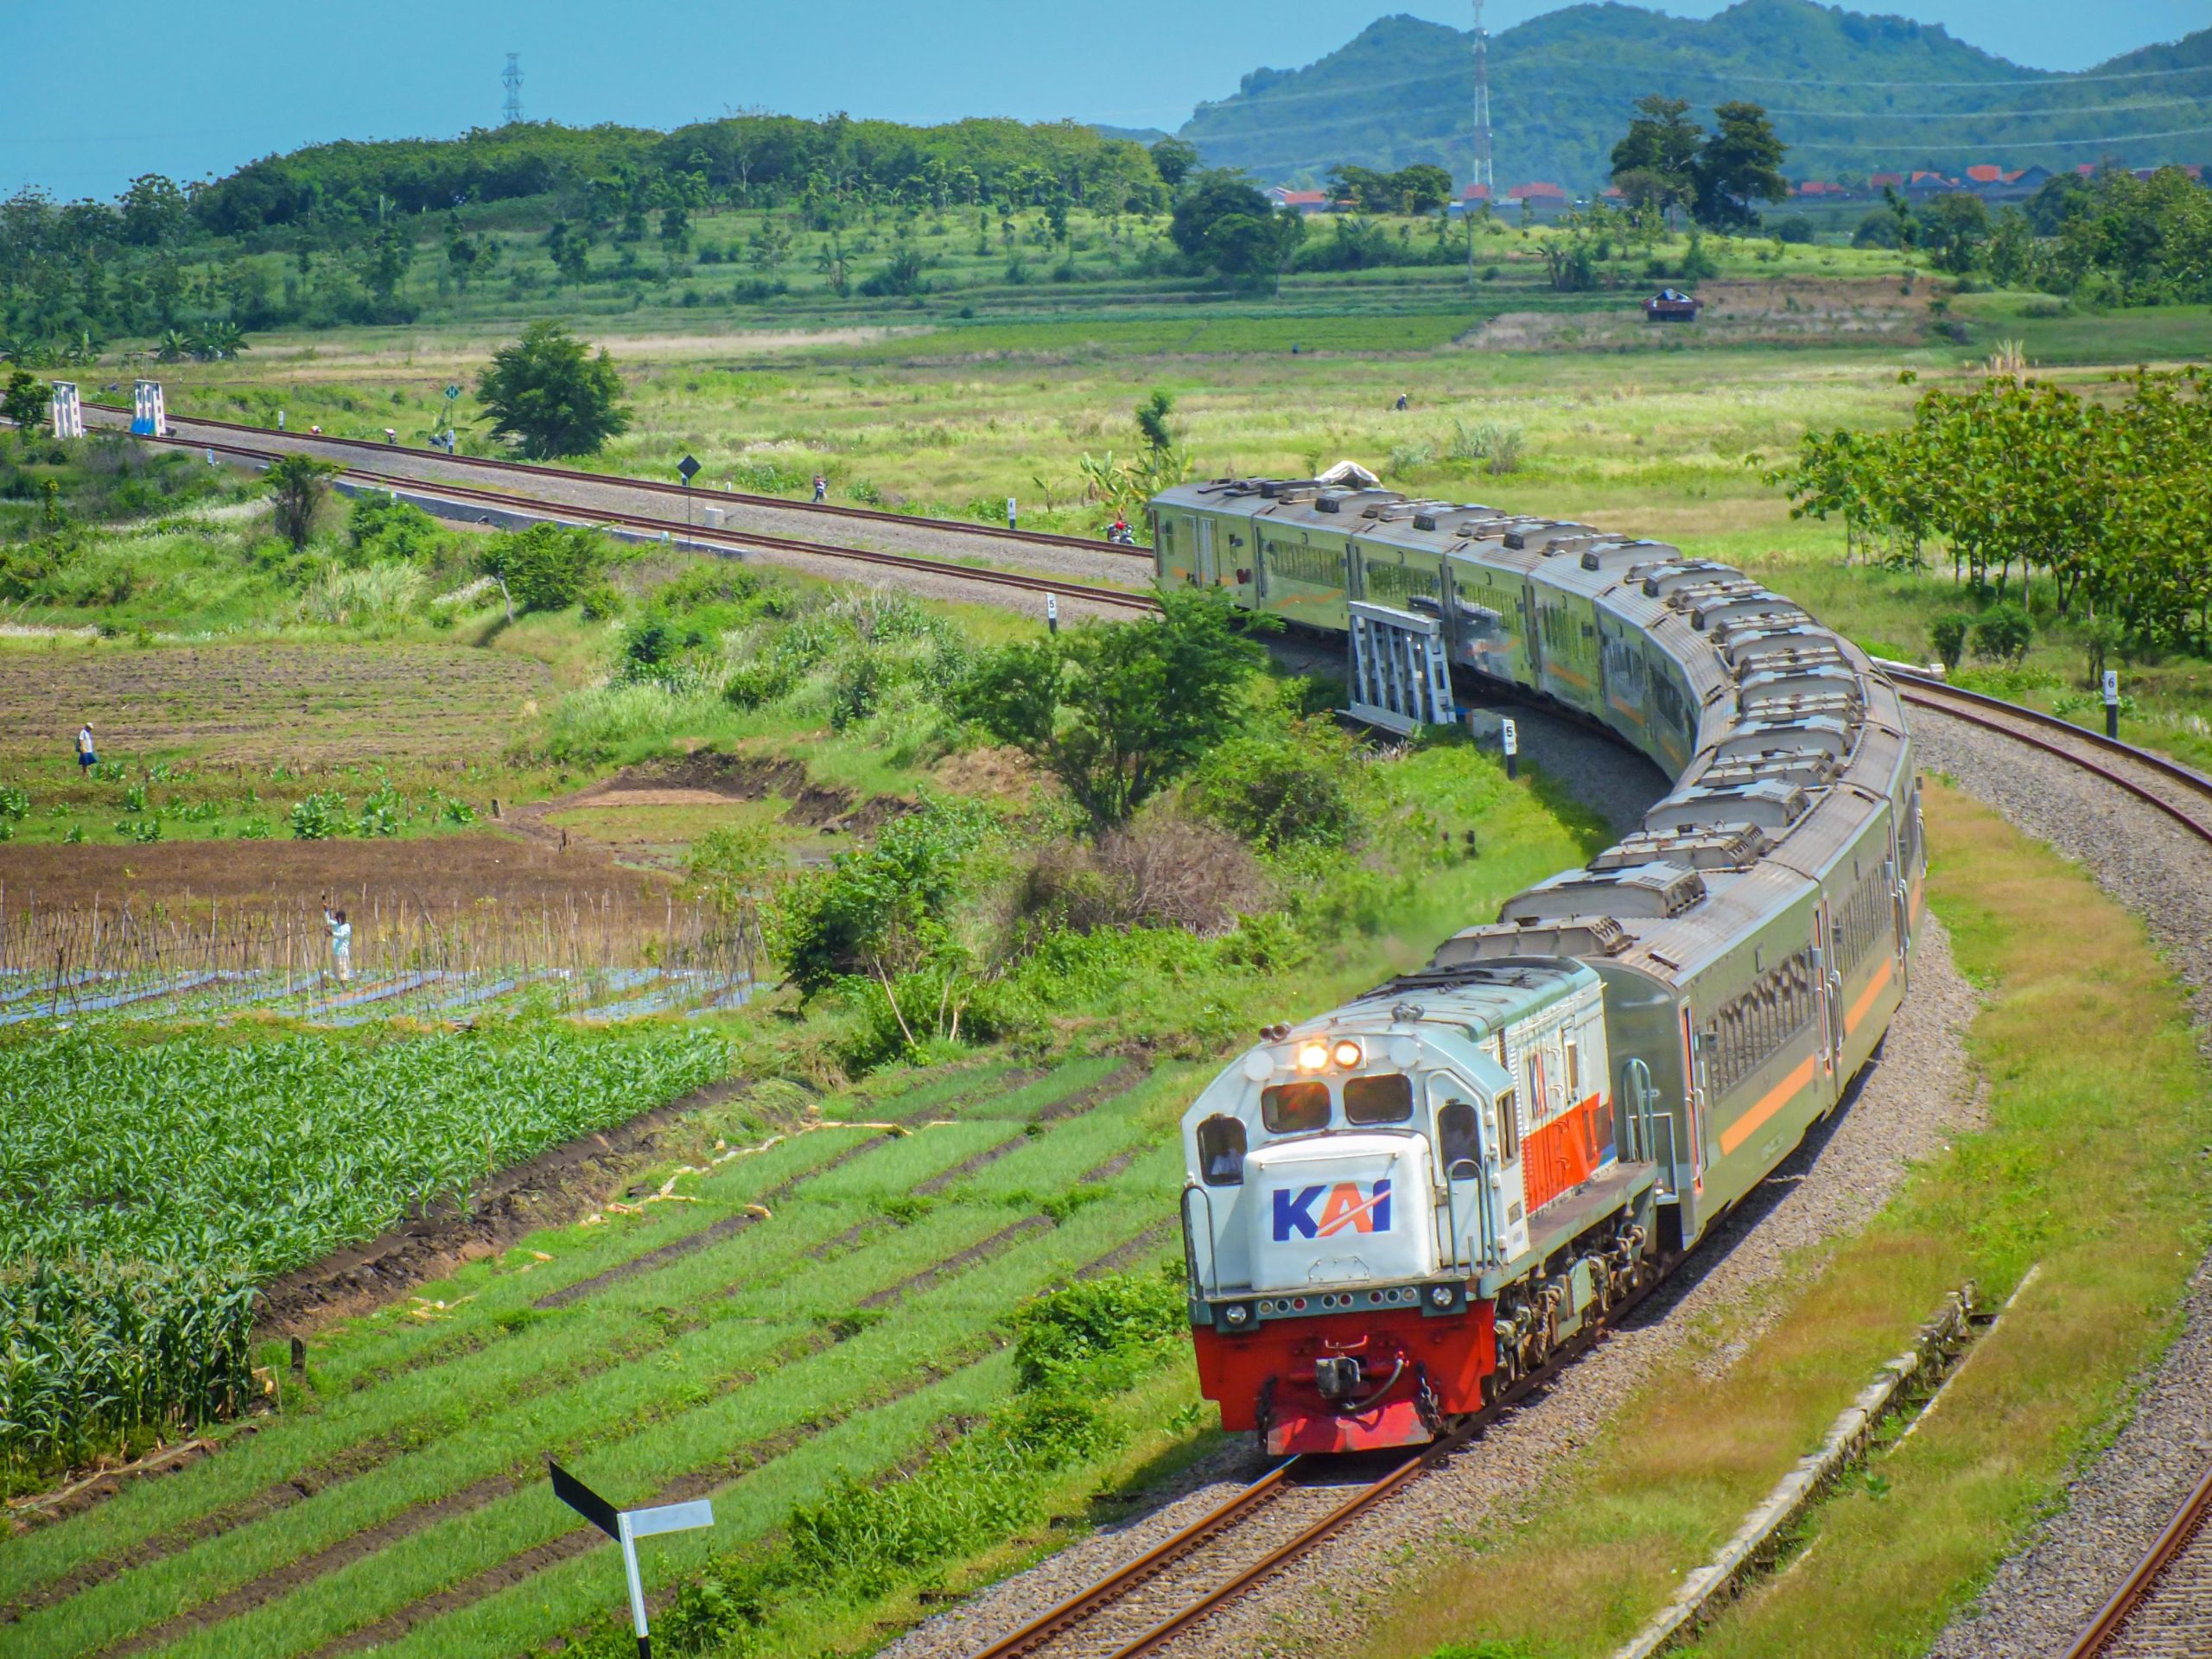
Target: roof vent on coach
<point>1689,573</point>
<point>1722,847</point>
<point>1824,731</point>
<point>1569,937</point>
<point>1766,805</point>
<point>1653,890</point>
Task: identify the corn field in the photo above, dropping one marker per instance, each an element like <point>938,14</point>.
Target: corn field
<point>127,1285</point>
<point>607,954</point>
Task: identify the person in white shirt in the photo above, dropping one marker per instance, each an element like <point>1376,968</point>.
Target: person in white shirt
<point>341,942</point>
<point>86,760</point>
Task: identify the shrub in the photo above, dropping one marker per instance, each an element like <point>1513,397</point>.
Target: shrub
<point>1947,634</point>
<point>876,911</point>
<point>2003,634</point>
<point>1274,790</point>
<point>547,567</point>
<point>1162,871</point>
<point>321,817</point>
<point>1098,1332</point>
<point>1797,231</point>
<point>381,526</point>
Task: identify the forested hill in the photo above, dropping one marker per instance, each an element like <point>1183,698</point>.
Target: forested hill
<point>1849,93</point>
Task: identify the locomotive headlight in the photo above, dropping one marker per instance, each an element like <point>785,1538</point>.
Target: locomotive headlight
<point>1311,1056</point>
<point>1347,1054</point>
<point>1440,1295</point>
<point>1236,1313</point>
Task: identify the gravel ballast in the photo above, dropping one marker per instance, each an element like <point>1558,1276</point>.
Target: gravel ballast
<point>2039,1600</point>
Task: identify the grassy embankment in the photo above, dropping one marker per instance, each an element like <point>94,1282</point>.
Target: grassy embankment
<point>2090,1169</point>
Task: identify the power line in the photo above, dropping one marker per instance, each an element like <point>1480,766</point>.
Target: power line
<point>2007,145</point>
<point>1989,115</point>
<point>1999,82</point>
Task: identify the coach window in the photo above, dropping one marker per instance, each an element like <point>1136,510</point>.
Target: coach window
<point>1221,1151</point>
<point>1294,1108</point>
<point>1387,1099</point>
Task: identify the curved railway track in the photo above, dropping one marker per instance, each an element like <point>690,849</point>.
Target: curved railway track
<point>287,442</point>
<point>2163,1610</point>
<point>2171,788</point>
<point>990,576</point>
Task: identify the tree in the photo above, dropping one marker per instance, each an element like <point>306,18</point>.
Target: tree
<point>1211,197</point>
<point>154,210</point>
<point>550,395</point>
<point>2011,255</point>
<point>1740,163</point>
<point>25,401</point>
<point>297,486</point>
<point>393,252</point>
<point>1251,252</point>
<point>1421,188</point>
<point>1954,229</point>
<point>545,567</point>
<point>1152,419</point>
<point>1654,164</point>
<point>1174,159</point>
<point>1118,711</point>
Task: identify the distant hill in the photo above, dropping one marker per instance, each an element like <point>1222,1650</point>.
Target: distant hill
<point>1849,93</point>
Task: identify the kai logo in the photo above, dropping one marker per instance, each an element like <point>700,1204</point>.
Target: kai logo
<point>1344,1207</point>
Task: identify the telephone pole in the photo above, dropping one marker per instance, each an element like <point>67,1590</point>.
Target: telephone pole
<point>1485,174</point>
<point>511,77</point>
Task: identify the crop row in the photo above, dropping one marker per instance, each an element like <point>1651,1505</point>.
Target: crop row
<point>506,1354</point>
<point>271,1154</point>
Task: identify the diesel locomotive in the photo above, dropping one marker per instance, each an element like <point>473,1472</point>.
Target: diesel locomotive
<point>1395,1210</point>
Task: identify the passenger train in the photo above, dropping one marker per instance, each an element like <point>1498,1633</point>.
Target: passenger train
<point>1395,1210</point>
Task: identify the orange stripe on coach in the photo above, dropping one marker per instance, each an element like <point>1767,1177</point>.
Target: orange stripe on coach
<point>1866,997</point>
<point>1772,1101</point>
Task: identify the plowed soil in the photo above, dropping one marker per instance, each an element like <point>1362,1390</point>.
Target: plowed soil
<point>255,703</point>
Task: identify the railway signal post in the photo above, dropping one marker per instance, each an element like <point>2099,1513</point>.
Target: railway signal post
<point>687,469</point>
<point>626,1527</point>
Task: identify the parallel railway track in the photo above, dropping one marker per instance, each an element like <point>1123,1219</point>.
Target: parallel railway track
<point>2163,1610</point>
<point>1106,598</point>
<point>288,442</point>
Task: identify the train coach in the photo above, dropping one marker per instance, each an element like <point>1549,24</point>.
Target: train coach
<point>1395,1210</point>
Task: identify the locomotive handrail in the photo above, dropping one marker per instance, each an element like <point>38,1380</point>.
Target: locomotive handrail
<point>1190,1248</point>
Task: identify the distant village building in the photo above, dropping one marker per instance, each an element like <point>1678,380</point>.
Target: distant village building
<point>1543,200</point>
<point>1671,305</point>
<point>1472,200</point>
<point>1299,201</point>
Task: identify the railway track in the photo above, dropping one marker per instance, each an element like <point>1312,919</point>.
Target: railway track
<point>1146,1603</point>
<point>1109,599</point>
<point>2171,788</point>
<point>2163,1610</point>
<point>288,442</point>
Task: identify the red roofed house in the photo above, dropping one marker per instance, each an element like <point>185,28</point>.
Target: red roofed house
<point>1819,189</point>
<point>1985,172</point>
<point>1924,185</point>
<point>1299,201</point>
<point>1539,198</point>
<point>1473,199</point>
<point>1880,180</point>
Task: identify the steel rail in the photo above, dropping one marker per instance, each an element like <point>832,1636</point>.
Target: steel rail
<point>2155,762</point>
<point>2151,798</point>
<point>738,540</point>
<point>2115,1613</point>
<point>877,515</point>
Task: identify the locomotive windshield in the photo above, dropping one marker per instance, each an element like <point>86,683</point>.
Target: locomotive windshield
<point>1294,1108</point>
<point>1386,1099</point>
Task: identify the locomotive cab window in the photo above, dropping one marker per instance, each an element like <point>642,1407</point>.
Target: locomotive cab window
<point>1508,1127</point>
<point>1294,1108</point>
<point>1387,1099</point>
<point>1455,1141</point>
<point>1221,1152</point>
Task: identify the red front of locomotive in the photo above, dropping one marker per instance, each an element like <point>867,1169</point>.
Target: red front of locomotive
<point>1318,1380</point>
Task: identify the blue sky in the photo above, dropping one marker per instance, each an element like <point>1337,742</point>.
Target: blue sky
<point>95,93</point>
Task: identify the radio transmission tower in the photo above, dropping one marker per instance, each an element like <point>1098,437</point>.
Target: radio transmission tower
<point>1483,172</point>
<point>511,77</point>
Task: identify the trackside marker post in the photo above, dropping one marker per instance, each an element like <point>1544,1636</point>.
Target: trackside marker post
<point>2112,702</point>
<point>1511,739</point>
<point>626,1527</point>
<point>1052,613</point>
